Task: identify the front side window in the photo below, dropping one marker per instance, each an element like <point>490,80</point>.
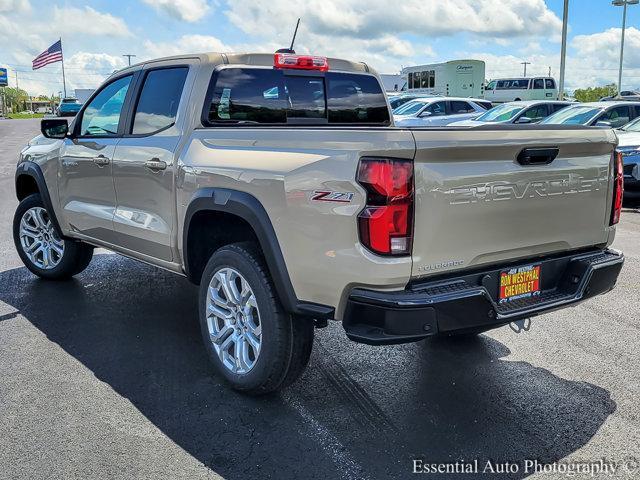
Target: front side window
<point>159,99</point>
<point>536,113</point>
<point>102,115</point>
<point>491,85</point>
<point>436,109</point>
<point>261,95</point>
<point>616,113</point>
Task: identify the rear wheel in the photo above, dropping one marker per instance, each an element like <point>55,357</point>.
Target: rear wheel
<point>251,341</point>
<point>40,247</point>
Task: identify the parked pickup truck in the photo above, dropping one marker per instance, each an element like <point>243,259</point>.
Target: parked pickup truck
<point>280,185</point>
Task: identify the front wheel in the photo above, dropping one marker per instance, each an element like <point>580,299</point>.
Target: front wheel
<point>40,247</point>
<point>251,341</point>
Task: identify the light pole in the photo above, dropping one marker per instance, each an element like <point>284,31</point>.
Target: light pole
<point>128,55</point>
<point>623,4</point>
<point>563,50</point>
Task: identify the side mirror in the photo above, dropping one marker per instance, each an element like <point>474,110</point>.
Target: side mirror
<point>54,128</point>
<point>524,120</point>
<point>603,124</point>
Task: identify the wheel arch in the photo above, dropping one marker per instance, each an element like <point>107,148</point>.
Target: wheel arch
<point>29,179</point>
<point>246,210</point>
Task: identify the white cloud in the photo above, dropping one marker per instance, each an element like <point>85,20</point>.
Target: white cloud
<point>187,10</point>
<point>186,44</point>
<point>15,6</point>
<point>605,47</point>
<point>354,18</point>
<point>88,21</point>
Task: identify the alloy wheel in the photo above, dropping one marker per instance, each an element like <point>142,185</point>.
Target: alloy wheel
<point>233,321</point>
<point>39,240</point>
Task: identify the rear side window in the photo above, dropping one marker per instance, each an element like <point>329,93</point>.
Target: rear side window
<point>355,98</point>
<point>269,96</point>
<point>549,83</point>
<point>460,107</point>
<point>159,99</point>
<point>516,84</point>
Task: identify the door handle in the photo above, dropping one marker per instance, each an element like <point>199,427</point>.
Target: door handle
<point>537,156</point>
<point>101,160</point>
<point>155,164</point>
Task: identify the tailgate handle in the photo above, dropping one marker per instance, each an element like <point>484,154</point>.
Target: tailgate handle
<point>537,156</point>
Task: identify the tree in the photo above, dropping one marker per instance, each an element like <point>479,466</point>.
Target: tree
<point>15,98</point>
<point>593,94</point>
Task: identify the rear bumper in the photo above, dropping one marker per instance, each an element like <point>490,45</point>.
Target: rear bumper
<point>469,302</point>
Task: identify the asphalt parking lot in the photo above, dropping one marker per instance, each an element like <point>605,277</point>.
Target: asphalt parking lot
<point>105,376</point>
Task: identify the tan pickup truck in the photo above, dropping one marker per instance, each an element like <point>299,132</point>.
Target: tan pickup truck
<point>280,185</point>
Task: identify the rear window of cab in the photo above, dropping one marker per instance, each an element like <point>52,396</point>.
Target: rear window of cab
<point>273,96</point>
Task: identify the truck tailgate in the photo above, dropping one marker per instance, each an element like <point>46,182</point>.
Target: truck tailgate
<point>476,204</point>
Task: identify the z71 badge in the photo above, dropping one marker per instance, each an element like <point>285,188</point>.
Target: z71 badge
<point>328,196</point>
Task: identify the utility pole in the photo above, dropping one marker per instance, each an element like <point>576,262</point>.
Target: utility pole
<point>525,67</point>
<point>622,3</point>
<point>17,85</point>
<point>128,55</point>
<point>563,50</point>
<point>549,72</point>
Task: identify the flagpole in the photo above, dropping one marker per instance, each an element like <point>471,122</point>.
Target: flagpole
<point>64,82</point>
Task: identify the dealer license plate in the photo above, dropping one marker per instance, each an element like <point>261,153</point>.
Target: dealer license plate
<point>519,282</point>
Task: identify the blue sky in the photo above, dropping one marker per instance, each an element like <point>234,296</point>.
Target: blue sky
<point>501,32</point>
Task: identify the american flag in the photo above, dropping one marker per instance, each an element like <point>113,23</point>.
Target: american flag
<point>50,55</point>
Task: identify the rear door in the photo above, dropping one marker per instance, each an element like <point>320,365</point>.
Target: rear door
<point>476,204</point>
<point>144,162</point>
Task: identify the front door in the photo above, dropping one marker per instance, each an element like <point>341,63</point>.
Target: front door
<point>144,165</point>
<point>86,191</point>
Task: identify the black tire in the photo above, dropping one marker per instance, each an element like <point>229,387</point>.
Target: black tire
<point>76,257</point>
<point>286,341</point>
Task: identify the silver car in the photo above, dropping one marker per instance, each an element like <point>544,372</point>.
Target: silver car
<point>530,111</point>
<point>596,114</point>
<point>438,111</point>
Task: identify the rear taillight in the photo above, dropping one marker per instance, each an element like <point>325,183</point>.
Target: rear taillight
<point>386,223</point>
<point>618,187</point>
<point>300,62</point>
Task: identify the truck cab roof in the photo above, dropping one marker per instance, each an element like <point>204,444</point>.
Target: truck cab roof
<point>250,59</point>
